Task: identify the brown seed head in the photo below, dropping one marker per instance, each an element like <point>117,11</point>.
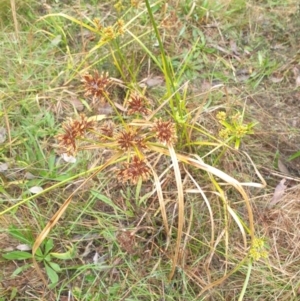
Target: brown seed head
<point>137,104</point>
<point>96,85</point>
<point>128,139</point>
<point>165,131</point>
<point>82,125</point>
<point>67,140</point>
<point>134,170</point>
<point>73,129</point>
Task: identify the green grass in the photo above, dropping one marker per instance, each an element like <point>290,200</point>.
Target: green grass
<point>194,230</point>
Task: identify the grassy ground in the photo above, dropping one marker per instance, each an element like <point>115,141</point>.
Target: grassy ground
<point>177,203</point>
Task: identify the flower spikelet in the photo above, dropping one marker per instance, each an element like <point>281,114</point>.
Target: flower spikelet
<point>224,133</point>
<point>120,27</point>
<point>108,34</point>
<point>119,6</point>
<point>67,140</point>
<point>137,104</point>
<point>97,24</point>
<point>82,125</point>
<point>96,85</point>
<point>257,250</point>
<point>221,116</point>
<point>73,129</point>
<point>241,131</point>
<point>165,131</point>
<point>128,139</point>
<point>134,170</point>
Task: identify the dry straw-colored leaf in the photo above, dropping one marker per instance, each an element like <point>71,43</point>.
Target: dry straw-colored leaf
<point>23,247</point>
<point>36,189</point>
<point>276,77</point>
<point>160,197</point>
<point>77,104</point>
<point>3,167</point>
<point>298,81</point>
<point>296,71</point>
<point>2,134</point>
<point>152,81</point>
<point>67,158</point>
<point>282,167</point>
<point>278,193</point>
<point>180,195</point>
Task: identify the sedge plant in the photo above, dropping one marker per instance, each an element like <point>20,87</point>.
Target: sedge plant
<point>133,145</point>
<point>140,134</point>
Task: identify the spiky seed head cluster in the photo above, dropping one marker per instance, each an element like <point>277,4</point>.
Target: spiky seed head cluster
<point>108,34</point>
<point>134,170</point>
<point>257,250</point>
<point>137,104</point>
<point>130,139</point>
<point>233,126</point>
<point>221,116</point>
<point>74,129</point>
<point>241,131</point>
<point>165,131</point>
<point>119,6</point>
<point>96,85</point>
<point>111,32</point>
<point>224,133</point>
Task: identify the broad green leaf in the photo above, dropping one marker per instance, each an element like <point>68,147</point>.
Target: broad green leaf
<point>49,245</point>
<point>39,254</point>
<point>47,258</point>
<point>54,266</point>
<point>51,274</point>
<point>17,255</point>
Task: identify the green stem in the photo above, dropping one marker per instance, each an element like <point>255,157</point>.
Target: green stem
<point>166,67</point>
<point>246,281</point>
